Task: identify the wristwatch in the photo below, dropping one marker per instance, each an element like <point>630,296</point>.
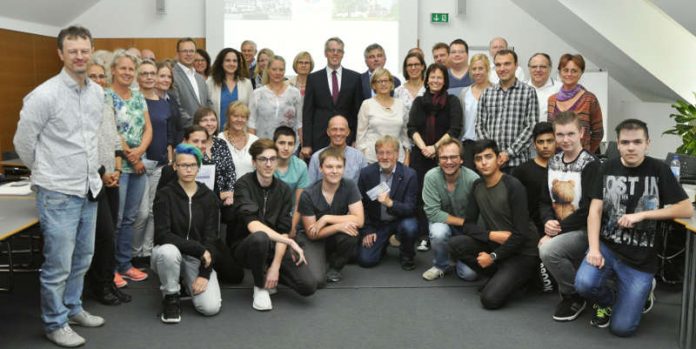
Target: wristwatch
<point>493,256</point>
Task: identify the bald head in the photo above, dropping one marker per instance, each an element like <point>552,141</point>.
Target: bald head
<point>338,131</point>
<point>148,54</point>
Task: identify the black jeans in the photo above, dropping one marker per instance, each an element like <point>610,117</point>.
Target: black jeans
<point>101,271</point>
<point>506,276</point>
<point>257,250</point>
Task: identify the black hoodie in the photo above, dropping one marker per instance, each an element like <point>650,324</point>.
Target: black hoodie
<point>189,224</point>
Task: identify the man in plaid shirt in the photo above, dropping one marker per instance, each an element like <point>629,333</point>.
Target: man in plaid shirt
<point>507,112</point>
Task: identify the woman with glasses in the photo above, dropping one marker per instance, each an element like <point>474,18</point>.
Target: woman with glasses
<point>228,82</point>
<point>414,71</point>
<point>275,103</point>
<point>158,154</point>
<point>382,115</point>
<point>201,62</point>
<point>574,97</point>
<point>303,64</point>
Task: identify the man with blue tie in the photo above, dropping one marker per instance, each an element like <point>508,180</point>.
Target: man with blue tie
<point>330,91</point>
<point>389,191</point>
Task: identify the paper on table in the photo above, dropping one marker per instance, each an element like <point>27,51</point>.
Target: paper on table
<point>378,189</point>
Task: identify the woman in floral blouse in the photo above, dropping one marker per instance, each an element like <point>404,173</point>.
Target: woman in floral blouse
<point>275,103</point>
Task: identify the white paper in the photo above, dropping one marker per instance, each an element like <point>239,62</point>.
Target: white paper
<point>206,175</point>
<point>377,190</point>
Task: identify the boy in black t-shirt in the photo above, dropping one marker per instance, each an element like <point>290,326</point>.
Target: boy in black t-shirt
<point>627,202</point>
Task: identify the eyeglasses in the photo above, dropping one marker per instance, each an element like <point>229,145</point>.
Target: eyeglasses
<point>199,60</point>
<point>304,62</point>
<point>266,160</point>
<point>148,73</point>
<point>97,77</point>
<point>382,81</point>
<point>187,51</point>
<point>448,158</point>
<point>414,65</point>
<point>540,67</point>
<point>335,50</point>
<point>187,167</point>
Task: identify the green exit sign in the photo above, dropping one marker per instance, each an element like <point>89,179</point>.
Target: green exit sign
<point>439,18</point>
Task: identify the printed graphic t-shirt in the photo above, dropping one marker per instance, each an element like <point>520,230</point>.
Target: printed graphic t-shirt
<point>625,190</point>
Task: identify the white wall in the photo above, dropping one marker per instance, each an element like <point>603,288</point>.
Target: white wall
<point>138,19</point>
<point>656,115</point>
<point>28,27</point>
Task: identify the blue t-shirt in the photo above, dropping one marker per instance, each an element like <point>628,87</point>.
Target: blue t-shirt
<point>226,97</point>
<point>160,112</point>
<point>295,177</point>
<point>456,85</point>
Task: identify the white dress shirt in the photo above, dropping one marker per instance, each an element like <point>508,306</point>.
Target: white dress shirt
<point>191,75</point>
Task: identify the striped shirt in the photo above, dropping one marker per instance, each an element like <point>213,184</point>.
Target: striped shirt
<point>57,135</point>
<point>508,117</point>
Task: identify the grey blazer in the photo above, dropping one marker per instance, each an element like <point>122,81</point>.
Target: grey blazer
<point>188,101</point>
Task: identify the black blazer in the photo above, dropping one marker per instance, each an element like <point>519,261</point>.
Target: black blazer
<point>318,107</point>
<point>404,192</point>
<point>367,87</point>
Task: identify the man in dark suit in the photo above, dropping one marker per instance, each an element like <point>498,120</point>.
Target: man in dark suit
<point>388,211</point>
<point>374,58</point>
<point>190,88</point>
<point>330,91</point>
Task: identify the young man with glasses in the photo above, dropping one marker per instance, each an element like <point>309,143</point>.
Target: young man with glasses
<point>458,69</point>
<point>446,190</point>
<point>504,246</point>
<point>263,207</point>
<point>186,220</point>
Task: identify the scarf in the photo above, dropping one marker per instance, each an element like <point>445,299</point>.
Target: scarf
<point>564,95</point>
<point>432,104</point>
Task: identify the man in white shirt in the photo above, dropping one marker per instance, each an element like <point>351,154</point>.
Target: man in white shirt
<point>494,46</point>
<point>540,78</point>
<point>57,140</point>
<point>190,87</point>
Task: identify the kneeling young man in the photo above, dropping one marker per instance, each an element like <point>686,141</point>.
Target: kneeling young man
<point>332,214</point>
<point>186,223</point>
<point>263,211</point>
<point>505,247</point>
<point>629,198</point>
<point>393,210</point>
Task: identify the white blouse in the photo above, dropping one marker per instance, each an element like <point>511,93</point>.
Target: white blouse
<point>243,163</point>
<point>375,121</point>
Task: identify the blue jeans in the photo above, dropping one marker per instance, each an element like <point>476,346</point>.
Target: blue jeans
<point>68,224</point>
<point>632,289</point>
<point>131,191</point>
<point>440,234</point>
<point>407,231</point>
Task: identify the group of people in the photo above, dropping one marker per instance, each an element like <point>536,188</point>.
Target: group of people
<point>205,178</point>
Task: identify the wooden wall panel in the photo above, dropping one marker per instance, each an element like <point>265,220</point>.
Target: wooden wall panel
<point>162,47</point>
<point>27,60</point>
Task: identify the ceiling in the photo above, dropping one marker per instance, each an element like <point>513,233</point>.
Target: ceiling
<point>682,11</point>
<point>48,12</point>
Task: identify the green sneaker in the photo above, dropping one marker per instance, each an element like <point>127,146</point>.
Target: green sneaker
<point>601,317</point>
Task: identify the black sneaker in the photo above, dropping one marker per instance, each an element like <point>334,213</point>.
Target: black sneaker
<point>171,309</point>
<point>333,275</point>
<point>651,298</point>
<point>123,297</point>
<point>407,263</point>
<point>601,317</point>
<point>569,308</point>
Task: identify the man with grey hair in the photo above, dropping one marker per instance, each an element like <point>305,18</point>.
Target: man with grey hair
<point>331,91</point>
<point>496,44</point>
<point>57,140</point>
<point>540,78</point>
<point>374,58</point>
<point>248,49</point>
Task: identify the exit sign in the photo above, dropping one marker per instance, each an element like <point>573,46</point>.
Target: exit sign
<point>439,18</point>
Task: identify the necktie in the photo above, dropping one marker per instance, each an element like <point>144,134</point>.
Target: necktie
<point>334,86</point>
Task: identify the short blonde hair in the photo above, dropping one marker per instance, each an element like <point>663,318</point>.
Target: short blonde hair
<point>121,53</point>
<point>380,72</point>
<point>236,108</point>
<point>303,54</point>
<point>387,140</point>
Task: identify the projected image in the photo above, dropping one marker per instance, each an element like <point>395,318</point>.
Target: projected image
<point>258,9</point>
<point>357,9</point>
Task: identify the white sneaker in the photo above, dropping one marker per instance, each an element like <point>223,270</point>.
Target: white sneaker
<point>65,337</point>
<point>86,319</point>
<point>262,299</point>
<point>651,298</point>
<point>423,246</point>
<point>433,274</point>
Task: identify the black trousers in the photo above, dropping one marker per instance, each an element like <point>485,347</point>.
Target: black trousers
<point>506,276</point>
<point>256,252</point>
<point>101,271</point>
<point>421,165</point>
<point>332,252</point>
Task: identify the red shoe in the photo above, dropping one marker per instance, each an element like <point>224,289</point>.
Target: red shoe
<point>119,282</point>
<point>135,274</point>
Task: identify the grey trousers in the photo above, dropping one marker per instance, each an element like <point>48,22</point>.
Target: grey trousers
<point>170,265</point>
<point>331,252</point>
<point>562,256</point>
